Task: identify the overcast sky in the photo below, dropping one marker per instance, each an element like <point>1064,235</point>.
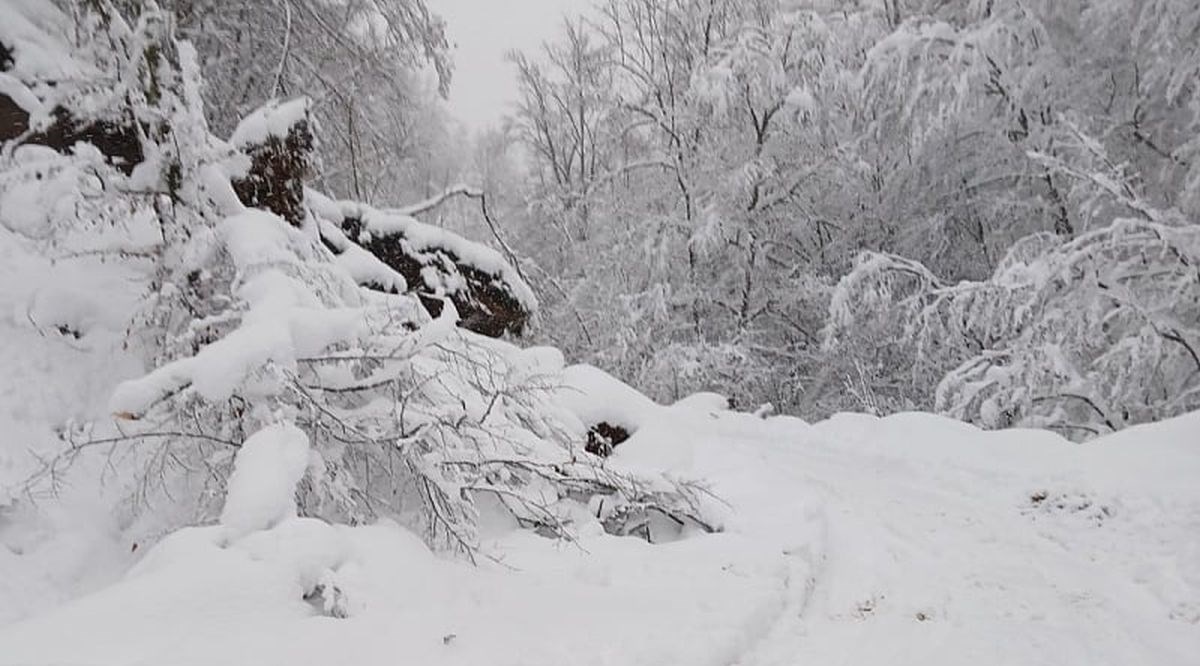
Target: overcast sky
<point>480,33</point>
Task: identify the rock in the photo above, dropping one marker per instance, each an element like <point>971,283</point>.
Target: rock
<point>435,264</point>
<point>485,303</point>
<point>14,121</point>
<point>117,141</point>
<point>6,58</point>
<point>279,142</point>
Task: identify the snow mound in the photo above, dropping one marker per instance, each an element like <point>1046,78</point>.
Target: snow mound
<point>263,484</point>
<point>595,396</point>
<point>305,592</point>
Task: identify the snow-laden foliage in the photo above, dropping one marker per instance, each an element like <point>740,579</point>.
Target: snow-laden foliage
<point>373,68</point>
<point>746,152</point>
<point>676,225</point>
<point>267,363</point>
<point>1085,336</point>
<point>1086,320</point>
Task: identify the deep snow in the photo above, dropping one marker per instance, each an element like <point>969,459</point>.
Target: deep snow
<point>910,539</point>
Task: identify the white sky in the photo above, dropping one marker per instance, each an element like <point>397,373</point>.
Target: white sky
<point>480,33</point>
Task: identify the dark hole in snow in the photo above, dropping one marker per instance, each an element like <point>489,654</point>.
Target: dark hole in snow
<point>649,523</point>
<point>603,437</point>
<point>6,57</point>
<point>328,600</point>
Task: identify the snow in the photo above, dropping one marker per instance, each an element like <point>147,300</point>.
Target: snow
<point>12,88</point>
<point>266,470</point>
<point>271,120</point>
<point>63,348</point>
<point>801,99</point>
<point>908,539</point>
<point>595,397</point>
<point>704,401</point>
<point>241,602</point>
<point>29,28</point>
<point>257,237</point>
<point>281,330</point>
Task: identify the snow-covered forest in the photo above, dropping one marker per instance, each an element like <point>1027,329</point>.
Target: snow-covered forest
<point>757,332</point>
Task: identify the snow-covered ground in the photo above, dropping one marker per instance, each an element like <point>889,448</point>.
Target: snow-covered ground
<point>910,539</point>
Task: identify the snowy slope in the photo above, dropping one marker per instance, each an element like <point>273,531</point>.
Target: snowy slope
<point>905,540</point>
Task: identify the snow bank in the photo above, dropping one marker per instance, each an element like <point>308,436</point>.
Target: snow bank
<point>595,396</point>
<point>65,314</point>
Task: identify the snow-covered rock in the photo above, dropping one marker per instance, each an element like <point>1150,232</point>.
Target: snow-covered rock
<point>278,139</point>
<point>490,295</point>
